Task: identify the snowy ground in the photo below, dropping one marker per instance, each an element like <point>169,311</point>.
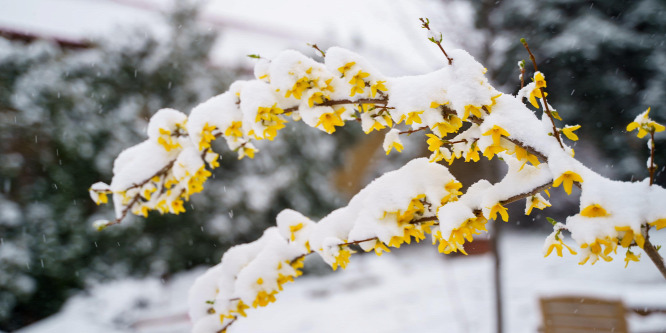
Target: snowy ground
<point>414,289</point>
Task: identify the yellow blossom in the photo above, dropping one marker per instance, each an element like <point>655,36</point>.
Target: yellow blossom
<point>434,143</point>
<point>329,120</point>
<point>630,256</point>
<point>459,235</point>
<point>540,81</point>
<point>498,208</point>
<point>496,132</point>
<point>434,105</point>
<point>474,110</point>
<point>438,155</point>
<point>141,210</point>
<point>177,207</point>
<point>317,97</point>
<point>493,100</point>
<point>492,151</point>
<point>568,178</point>
<point>378,86</point>
<point>594,210</point>
<point>473,153</point>
<point>241,307</point>
<point>365,107</point>
<point>453,188</point>
<point>102,199</point>
<point>376,126</point>
<point>387,118</point>
<point>380,248</point>
<point>213,159</point>
<point>536,201</point>
<point>268,113</point>
<point>395,144</point>
<point>234,130</point>
<point>523,155</point>
<point>413,117</point>
<point>569,132</point>
<point>264,298</point>
<point>293,229</point>
<point>358,83</point>
<point>659,224</point>
<point>342,259</point>
<point>246,151</point>
<point>346,67</point>
<point>630,236</point>
<point>645,125</point>
<point>557,246</point>
<point>206,136</point>
<point>600,248</point>
<point>298,88</point>
<point>225,316</point>
<point>166,140</point>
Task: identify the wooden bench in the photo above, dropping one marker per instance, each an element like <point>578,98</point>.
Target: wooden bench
<point>582,315</point>
<point>578,314</point>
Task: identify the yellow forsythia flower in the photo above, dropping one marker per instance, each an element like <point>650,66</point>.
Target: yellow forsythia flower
<point>568,178</point>
<point>594,210</point>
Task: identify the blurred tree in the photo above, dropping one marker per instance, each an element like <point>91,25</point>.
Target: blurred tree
<point>62,111</point>
<point>605,62</point>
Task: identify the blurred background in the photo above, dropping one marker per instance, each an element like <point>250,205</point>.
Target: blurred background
<point>79,80</point>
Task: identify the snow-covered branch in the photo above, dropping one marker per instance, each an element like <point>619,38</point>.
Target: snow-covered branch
<point>465,117</point>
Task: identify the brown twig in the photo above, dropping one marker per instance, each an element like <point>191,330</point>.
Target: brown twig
<point>426,25</point>
<point>358,241</point>
<point>652,167</point>
<point>224,328</point>
<point>652,253</point>
<point>556,133</point>
<point>136,198</point>
<point>527,194</point>
<point>414,130</point>
<point>314,46</point>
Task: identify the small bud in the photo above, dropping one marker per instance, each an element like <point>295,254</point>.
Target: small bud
<point>254,56</point>
<point>100,225</point>
<point>553,222</point>
<point>555,115</point>
<point>522,40</point>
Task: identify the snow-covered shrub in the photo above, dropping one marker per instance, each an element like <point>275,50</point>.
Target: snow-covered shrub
<point>464,116</point>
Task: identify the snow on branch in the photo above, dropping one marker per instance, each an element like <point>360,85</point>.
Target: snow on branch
<point>464,117</point>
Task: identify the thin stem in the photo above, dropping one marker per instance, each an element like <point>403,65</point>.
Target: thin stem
<point>224,328</point>
<point>652,167</point>
<point>426,25</point>
<point>358,241</point>
<point>136,198</point>
<point>543,95</point>
<point>414,130</point>
<point>314,46</point>
<point>652,253</point>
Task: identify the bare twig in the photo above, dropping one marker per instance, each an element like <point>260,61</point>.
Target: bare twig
<point>652,167</point>
<point>652,253</point>
<point>314,46</point>
<point>414,130</point>
<point>426,25</point>
<point>543,96</point>
<point>136,198</point>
